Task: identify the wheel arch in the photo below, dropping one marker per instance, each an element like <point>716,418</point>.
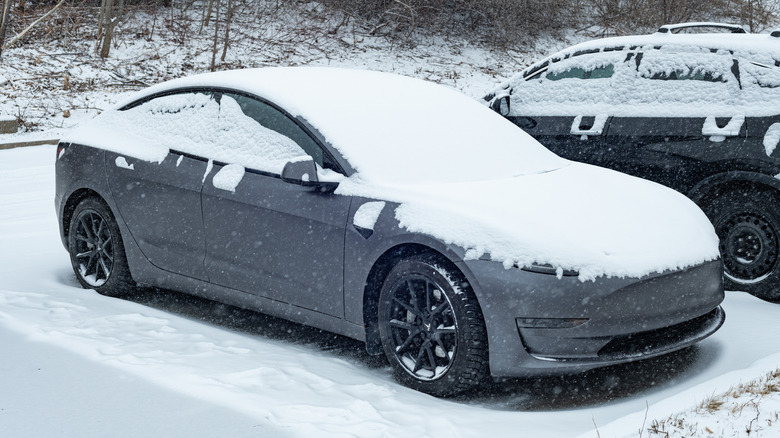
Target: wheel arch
<point>70,206</point>
<point>376,277</point>
<point>714,186</point>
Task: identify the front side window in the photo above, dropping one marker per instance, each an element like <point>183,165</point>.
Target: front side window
<point>597,72</point>
<point>276,135</point>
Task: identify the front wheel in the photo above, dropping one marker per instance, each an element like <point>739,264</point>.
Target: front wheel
<point>431,327</point>
<point>747,224</point>
<point>96,251</point>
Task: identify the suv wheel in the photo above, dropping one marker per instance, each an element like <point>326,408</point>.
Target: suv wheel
<point>747,225</point>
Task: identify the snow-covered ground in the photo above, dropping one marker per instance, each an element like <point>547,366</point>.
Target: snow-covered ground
<point>76,363</point>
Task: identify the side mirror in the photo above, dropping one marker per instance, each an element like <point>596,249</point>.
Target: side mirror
<point>301,171</point>
<point>500,104</point>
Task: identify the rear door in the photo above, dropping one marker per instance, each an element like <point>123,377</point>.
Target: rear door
<point>675,126</point>
<point>157,187</point>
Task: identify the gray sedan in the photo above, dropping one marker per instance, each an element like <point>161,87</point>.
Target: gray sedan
<point>389,210</point>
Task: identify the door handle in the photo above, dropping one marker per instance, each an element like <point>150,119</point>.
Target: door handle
<point>597,129</point>
<point>716,133</point>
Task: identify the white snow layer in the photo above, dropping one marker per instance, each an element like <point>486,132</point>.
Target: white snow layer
<point>367,214</point>
<point>122,162</point>
<point>771,138</point>
<point>583,218</point>
<point>703,80</point>
<point>462,173</point>
<point>389,127</point>
<point>228,177</point>
<point>193,123</point>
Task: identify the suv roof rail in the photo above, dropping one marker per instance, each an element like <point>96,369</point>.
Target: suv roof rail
<point>669,28</point>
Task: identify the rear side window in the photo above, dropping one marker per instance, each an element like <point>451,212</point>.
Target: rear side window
<point>670,66</point>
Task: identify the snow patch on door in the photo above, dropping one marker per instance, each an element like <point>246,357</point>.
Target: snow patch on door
<point>771,138</point>
<point>228,177</point>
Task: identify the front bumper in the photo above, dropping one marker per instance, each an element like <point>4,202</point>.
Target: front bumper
<point>627,319</point>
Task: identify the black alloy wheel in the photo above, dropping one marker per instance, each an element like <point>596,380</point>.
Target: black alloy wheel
<point>431,328</point>
<point>747,226</point>
<point>96,251</point>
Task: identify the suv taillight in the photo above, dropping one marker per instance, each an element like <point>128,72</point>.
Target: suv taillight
<point>61,149</point>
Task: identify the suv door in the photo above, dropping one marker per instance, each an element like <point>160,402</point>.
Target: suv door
<point>662,131</point>
<point>556,105</point>
<point>265,236</point>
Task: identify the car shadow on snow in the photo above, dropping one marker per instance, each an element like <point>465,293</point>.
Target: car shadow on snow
<point>571,391</point>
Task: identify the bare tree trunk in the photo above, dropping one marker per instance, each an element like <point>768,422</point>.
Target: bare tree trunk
<point>216,38</point>
<point>207,16</point>
<point>5,15</point>
<point>228,19</point>
<point>111,16</point>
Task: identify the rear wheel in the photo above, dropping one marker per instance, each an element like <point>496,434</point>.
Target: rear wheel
<point>96,251</point>
<point>747,224</point>
<point>431,327</point>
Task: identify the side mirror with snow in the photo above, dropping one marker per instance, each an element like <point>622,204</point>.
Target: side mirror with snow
<point>500,104</point>
<point>301,171</point>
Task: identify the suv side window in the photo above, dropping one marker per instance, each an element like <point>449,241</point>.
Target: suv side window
<point>599,72</point>
<point>691,67</point>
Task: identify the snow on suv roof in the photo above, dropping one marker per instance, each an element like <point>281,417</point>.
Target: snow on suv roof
<point>761,48</point>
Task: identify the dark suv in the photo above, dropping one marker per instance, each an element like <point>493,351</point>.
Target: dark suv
<point>698,112</point>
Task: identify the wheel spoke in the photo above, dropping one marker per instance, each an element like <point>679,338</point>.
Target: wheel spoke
<point>99,233</point>
<point>431,356</point>
<point>413,294</point>
<point>407,307</point>
<point>84,254</point>
<point>81,238</point>
<point>405,345</point>
<point>418,360</point>
<point>102,264</point>
<point>427,297</point>
<point>443,331</point>
<point>87,231</point>
<point>401,325</point>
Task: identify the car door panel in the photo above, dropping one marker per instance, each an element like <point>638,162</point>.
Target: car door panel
<point>170,192</point>
<point>555,133</point>
<point>277,240</point>
<point>669,150</point>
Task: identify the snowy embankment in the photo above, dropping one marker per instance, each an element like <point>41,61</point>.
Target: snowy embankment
<point>80,364</point>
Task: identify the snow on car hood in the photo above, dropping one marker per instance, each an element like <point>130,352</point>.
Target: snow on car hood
<point>579,217</point>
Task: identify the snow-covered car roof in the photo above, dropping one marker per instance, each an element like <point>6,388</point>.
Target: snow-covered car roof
<point>378,120</point>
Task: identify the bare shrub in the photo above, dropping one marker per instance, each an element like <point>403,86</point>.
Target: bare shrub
<point>498,22</point>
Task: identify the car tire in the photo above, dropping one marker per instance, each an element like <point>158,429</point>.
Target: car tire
<point>748,226</point>
<point>97,254</point>
<point>431,327</point>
